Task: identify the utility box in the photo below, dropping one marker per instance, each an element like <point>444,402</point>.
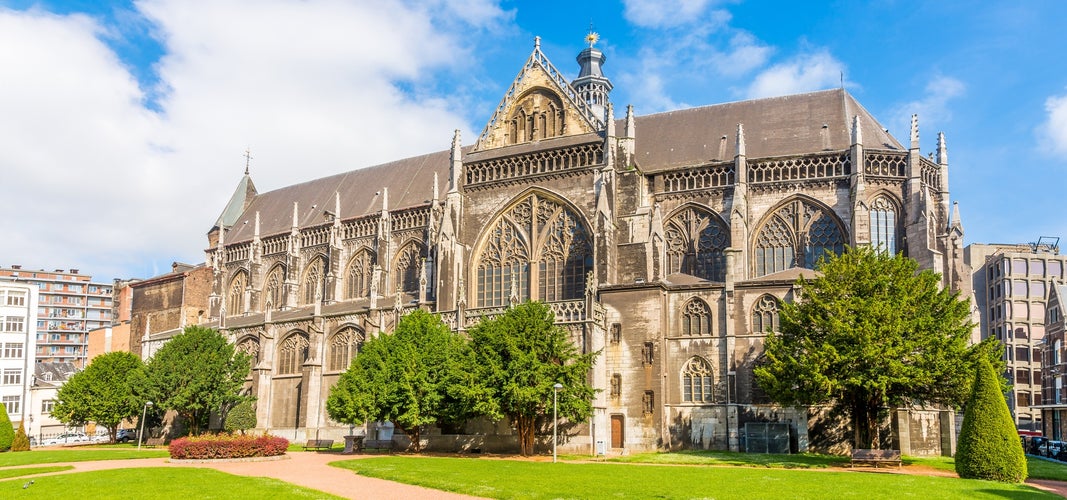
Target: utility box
<point>601,448</point>
<point>766,437</point>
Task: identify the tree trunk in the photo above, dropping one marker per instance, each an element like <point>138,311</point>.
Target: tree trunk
<point>526,435</point>
<point>414,435</point>
<point>865,423</point>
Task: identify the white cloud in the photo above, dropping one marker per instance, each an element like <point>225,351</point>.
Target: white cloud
<point>313,88</point>
<point>804,73</point>
<point>933,108</point>
<point>664,13</point>
<point>1054,130</point>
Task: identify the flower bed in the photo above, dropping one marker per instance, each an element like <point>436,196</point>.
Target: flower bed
<point>227,446</point>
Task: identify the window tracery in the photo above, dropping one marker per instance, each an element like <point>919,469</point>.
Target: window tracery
<point>235,298</point>
<point>313,281</point>
<point>697,381</point>
<point>765,315</point>
<point>359,275</point>
<point>884,225</point>
<point>250,346</point>
<point>272,290</point>
<point>798,234</point>
<point>695,240</point>
<point>292,354</point>
<point>696,318</point>
<point>538,115</point>
<point>343,346</point>
<point>408,264</point>
<point>537,242</point>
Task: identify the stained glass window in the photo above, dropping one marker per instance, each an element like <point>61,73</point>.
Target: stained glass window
<point>696,318</point>
<point>696,381</point>
<point>798,234</point>
<point>695,240</point>
<point>765,315</point>
<point>884,225</point>
<point>359,275</point>
<point>292,354</point>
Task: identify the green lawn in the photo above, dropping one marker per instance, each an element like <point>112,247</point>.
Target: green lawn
<point>796,461</point>
<point>53,456</point>
<point>522,479</point>
<point>155,482</point>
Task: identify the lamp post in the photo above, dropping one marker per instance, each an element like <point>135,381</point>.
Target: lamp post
<point>555,419</point>
<point>140,434</point>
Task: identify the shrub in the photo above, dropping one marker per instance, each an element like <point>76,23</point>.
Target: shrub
<point>227,446</point>
<point>989,446</point>
<point>7,433</point>
<point>241,417</point>
<point>21,441</point>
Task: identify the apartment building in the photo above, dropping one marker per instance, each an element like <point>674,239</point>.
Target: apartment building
<point>1012,283</point>
<point>18,332</point>
<point>70,305</point>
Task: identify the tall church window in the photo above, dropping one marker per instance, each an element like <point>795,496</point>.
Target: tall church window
<point>250,346</point>
<point>360,272</point>
<point>696,381</point>
<point>695,241</point>
<point>538,249</point>
<point>311,289</point>
<point>797,234</point>
<point>765,315</point>
<point>272,289</point>
<point>696,318</point>
<point>342,347</point>
<point>235,297</point>
<point>408,264</point>
<point>883,225</point>
<point>292,354</point>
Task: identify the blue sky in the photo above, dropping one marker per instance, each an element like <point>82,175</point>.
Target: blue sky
<point>123,125</point>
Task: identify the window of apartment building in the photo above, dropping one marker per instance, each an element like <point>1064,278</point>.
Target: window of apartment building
<point>13,350</point>
<point>16,324</point>
<point>1055,269</point>
<point>54,337</point>
<point>1022,398</point>
<point>76,288</point>
<point>1020,333</point>
<point>1037,267</point>
<point>15,298</point>
<point>53,349</point>
<point>12,403</point>
<point>1018,267</point>
<point>47,405</point>
<point>1037,310</point>
<point>1022,354</point>
<point>12,376</point>
<point>1018,288</point>
<point>70,349</point>
<point>1022,376</point>
<point>93,288</point>
<point>73,337</point>
<point>1037,289</point>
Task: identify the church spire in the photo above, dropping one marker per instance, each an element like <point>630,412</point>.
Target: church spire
<point>592,86</point>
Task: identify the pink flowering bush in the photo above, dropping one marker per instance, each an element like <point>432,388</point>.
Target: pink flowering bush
<point>227,446</point>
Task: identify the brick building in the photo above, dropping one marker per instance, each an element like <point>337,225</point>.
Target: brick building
<point>163,305</point>
<point>664,241</point>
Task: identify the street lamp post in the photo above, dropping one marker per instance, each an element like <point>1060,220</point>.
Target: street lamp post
<point>140,434</point>
<point>555,418</point>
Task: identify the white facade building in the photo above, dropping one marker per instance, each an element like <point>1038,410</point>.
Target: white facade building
<point>18,334</point>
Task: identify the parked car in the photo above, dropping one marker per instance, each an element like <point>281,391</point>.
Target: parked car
<point>125,435</point>
<point>66,438</point>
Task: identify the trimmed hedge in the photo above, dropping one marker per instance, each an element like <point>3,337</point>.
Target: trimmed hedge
<point>7,432</point>
<point>227,446</point>
<point>989,446</point>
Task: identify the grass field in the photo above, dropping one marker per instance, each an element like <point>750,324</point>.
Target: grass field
<point>52,456</point>
<point>155,482</point>
<point>796,461</point>
<point>522,479</point>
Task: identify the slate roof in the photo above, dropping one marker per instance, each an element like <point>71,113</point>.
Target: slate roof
<point>777,126</point>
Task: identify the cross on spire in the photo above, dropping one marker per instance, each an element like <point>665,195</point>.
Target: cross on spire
<point>248,159</point>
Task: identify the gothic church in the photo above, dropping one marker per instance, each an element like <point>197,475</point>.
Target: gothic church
<point>666,242</point>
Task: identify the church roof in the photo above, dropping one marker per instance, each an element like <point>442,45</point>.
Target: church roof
<point>776,126</point>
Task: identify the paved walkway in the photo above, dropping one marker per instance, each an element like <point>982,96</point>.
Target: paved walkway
<point>304,469</point>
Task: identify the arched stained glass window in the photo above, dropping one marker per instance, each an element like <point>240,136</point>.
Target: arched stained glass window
<point>765,315</point>
<point>884,225</point>
<point>292,354</point>
<point>360,272</point>
<point>250,346</point>
<point>408,264</point>
<point>798,234</point>
<point>235,298</point>
<point>272,289</point>
<point>311,289</point>
<point>695,240</point>
<point>342,347</point>
<point>696,318</point>
<point>697,381</point>
<point>537,242</point>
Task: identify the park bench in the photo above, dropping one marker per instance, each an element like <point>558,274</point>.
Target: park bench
<point>154,442</point>
<point>379,444</point>
<point>875,457</point>
<point>319,444</point>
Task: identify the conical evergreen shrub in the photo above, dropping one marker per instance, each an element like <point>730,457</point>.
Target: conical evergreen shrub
<point>21,441</point>
<point>7,433</point>
<point>989,446</point>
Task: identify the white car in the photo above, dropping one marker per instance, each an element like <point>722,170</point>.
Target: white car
<point>66,438</point>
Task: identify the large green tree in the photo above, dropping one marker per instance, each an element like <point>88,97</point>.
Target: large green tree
<point>415,376</point>
<point>989,446</point>
<point>196,373</point>
<point>103,393</point>
<point>520,356</point>
<point>870,332</point>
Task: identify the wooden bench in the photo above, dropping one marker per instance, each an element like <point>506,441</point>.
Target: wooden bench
<point>379,445</point>
<point>875,457</point>
<point>154,442</point>
<point>318,444</point>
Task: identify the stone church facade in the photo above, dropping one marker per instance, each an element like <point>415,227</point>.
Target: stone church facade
<point>665,242</point>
